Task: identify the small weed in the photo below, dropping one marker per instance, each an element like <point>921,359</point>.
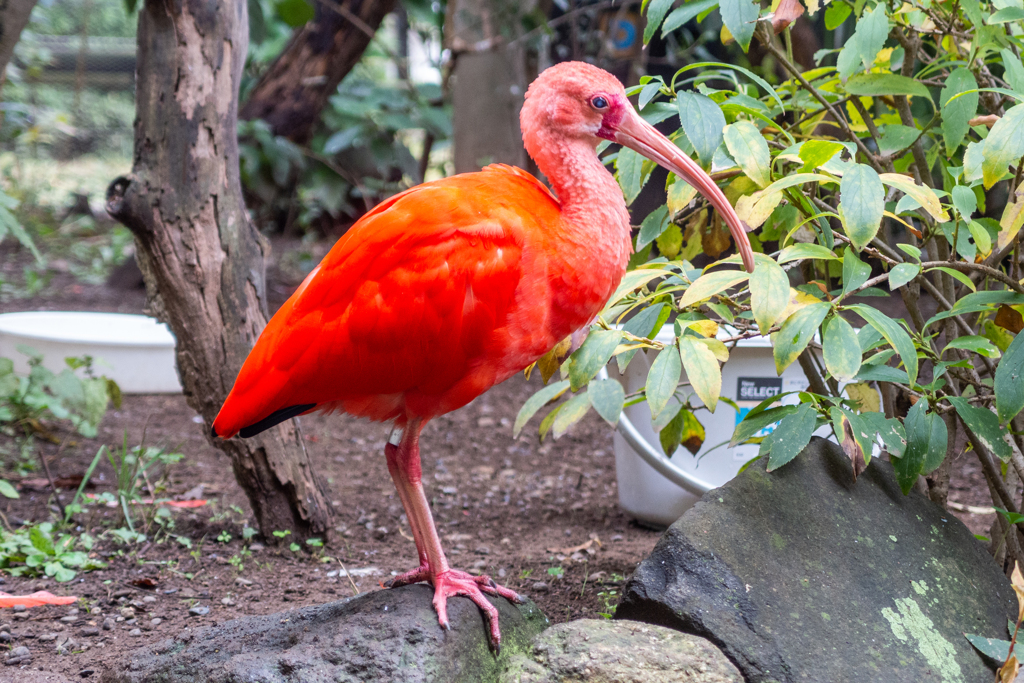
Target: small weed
<point>610,599</point>
<point>33,551</point>
<point>556,572</point>
<point>525,574</point>
<point>224,537</point>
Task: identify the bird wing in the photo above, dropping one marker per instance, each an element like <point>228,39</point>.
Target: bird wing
<point>408,310</point>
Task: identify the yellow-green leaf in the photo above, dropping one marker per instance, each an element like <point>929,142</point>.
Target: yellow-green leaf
<point>702,370</point>
<point>862,201</point>
<point>710,284</point>
<point>924,196</point>
<point>1003,146</point>
<point>769,293</point>
<point>750,150</point>
<point>841,349</point>
<point>796,333</point>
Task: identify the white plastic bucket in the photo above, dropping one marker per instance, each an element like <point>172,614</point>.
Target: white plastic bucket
<point>660,498</point>
<point>135,351</point>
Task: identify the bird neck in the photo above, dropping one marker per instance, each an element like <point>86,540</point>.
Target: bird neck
<point>588,193</point>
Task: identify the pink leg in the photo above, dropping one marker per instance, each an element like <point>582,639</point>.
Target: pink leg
<point>404,465</point>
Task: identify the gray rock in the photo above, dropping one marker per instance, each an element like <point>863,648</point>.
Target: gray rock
<point>601,651</point>
<point>379,637</point>
<point>18,656</point>
<point>803,574</point>
<point>199,611</point>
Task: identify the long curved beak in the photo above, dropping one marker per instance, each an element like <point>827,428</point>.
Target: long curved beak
<point>641,137</point>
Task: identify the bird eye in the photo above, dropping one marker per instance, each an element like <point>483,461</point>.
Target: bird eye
<point>599,102</point>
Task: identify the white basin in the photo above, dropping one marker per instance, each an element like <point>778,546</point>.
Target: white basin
<point>135,351</point>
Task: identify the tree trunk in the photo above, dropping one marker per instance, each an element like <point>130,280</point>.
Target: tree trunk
<point>293,92</point>
<point>201,257</point>
<point>14,15</point>
<point>490,80</point>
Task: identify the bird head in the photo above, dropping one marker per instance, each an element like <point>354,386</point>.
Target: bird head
<point>575,100</point>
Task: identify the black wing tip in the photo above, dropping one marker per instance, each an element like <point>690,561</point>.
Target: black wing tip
<point>213,432</point>
<point>274,419</point>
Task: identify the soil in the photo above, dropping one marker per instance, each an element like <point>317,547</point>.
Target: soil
<point>541,518</point>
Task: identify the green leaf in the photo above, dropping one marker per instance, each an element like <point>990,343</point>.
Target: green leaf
<point>663,379</point>
<point>536,402</point>
<point>1009,381</point>
<point>702,370</point>
<point>956,275</point>
<point>889,430</point>
<point>647,323</point>
<point>841,350</point>
<point>607,396</point>
<point>739,16</point>
<point>855,271</point>
<point>957,114</point>
<point>1003,146</point>
<point>572,412</point>
<point>997,650</point>
<point>815,153</point>
<point>1013,70</point>
<point>769,293</point>
<point>896,137</point>
<point>710,284</point>
<point>295,13</point>
<point>629,167</point>
<point>792,436</point>
<point>979,345</point>
<point>7,490</point>
<point>671,435</point>
<point>982,237</point>
<point>886,84</point>
<point>796,332</point>
<point>750,150</point>
<point>863,46</point>
<point>587,361</point>
<point>1006,15</point>
<point>703,123</point>
<point>805,250</point>
<point>926,443</point>
<point>965,201</point>
<point>656,12</point>
<point>794,179</point>
<point>685,13</point>
<point>985,425</point>
<point>41,541</point>
<point>902,274</point>
<point>652,227</point>
<point>635,279</point>
<point>894,334</point>
<point>755,422</point>
<point>836,14</point>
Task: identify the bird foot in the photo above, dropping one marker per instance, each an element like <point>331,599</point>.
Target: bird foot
<point>422,573</point>
<point>453,582</point>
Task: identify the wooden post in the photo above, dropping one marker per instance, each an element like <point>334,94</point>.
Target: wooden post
<point>201,258</point>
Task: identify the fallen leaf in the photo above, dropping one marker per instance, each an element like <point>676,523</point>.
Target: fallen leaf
<point>145,583</point>
<point>575,549</point>
<point>35,599</point>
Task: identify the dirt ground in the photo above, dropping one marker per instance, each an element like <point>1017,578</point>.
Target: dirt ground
<point>542,518</point>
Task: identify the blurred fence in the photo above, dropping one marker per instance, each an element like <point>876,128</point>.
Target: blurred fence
<point>83,62</point>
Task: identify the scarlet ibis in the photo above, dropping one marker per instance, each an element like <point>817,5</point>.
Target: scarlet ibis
<point>452,286</point>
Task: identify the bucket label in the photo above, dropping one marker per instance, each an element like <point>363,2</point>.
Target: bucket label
<point>757,389</point>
